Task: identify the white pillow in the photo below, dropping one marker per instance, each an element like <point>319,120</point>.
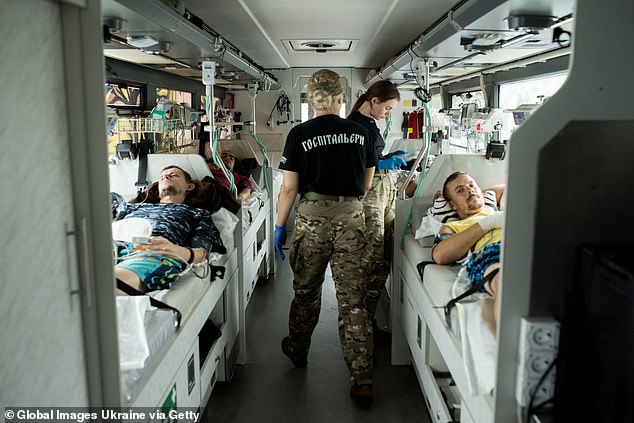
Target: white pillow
<point>442,211</point>
<point>132,230</point>
<point>226,222</point>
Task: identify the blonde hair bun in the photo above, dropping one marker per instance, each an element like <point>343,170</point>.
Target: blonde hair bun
<point>324,86</point>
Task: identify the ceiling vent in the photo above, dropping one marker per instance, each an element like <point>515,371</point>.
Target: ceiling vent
<point>318,46</point>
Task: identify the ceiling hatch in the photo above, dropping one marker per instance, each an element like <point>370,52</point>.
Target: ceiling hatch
<point>319,46</point>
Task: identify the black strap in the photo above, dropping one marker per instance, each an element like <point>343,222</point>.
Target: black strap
<point>216,272</point>
<point>474,288</point>
<point>141,181</point>
<point>203,139</point>
<point>153,301</point>
<point>421,268</point>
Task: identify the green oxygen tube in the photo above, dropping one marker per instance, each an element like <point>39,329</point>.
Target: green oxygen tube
<point>262,149</point>
<point>253,87</point>
<point>422,173</point>
<point>265,161</point>
<point>215,136</point>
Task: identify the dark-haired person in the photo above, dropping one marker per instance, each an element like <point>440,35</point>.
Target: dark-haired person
<point>181,234</point>
<point>242,183</point>
<point>329,161</point>
<point>376,104</point>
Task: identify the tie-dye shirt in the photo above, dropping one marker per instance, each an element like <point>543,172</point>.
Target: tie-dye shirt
<point>181,224</point>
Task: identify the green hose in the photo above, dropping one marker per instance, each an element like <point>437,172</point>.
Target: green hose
<point>215,136</point>
<point>265,162</point>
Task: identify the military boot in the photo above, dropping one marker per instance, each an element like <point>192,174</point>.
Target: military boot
<point>299,358</point>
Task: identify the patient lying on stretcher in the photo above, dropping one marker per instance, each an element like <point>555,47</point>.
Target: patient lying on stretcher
<point>180,235</point>
<point>478,231</point>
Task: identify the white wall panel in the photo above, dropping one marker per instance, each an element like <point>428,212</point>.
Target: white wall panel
<point>41,353</point>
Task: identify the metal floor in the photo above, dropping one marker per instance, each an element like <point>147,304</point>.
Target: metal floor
<point>269,389</point>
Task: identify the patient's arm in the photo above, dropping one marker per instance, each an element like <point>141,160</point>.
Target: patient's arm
<point>457,245</point>
<point>499,192</point>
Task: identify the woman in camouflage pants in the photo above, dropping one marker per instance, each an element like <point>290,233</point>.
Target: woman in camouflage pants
<point>330,162</point>
<point>378,204</point>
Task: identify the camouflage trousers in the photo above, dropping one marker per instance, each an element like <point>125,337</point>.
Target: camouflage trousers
<point>331,232</point>
<point>378,207</point>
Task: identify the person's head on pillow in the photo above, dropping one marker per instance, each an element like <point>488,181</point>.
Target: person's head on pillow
<point>463,194</point>
<point>174,185</point>
<point>228,158</point>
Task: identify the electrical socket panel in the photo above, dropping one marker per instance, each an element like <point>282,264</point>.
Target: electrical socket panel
<point>538,346</point>
<point>545,392</point>
<point>536,363</point>
<point>539,333</point>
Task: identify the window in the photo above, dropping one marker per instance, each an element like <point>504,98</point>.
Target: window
<point>179,97</point>
<point>471,97</point>
<point>123,95</point>
<point>530,91</point>
<point>436,102</point>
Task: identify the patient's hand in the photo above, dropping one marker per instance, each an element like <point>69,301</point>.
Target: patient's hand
<point>158,244</point>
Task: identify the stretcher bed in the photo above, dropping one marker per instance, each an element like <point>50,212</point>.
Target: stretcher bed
<point>421,333</point>
<point>185,363</point>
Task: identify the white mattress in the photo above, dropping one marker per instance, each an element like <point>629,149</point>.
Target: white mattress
<point>438,282</point>
<point>188,290</point>
<point>438,279</point>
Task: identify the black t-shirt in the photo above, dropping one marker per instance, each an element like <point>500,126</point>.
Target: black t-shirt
<point>330,154</point>
<point>375,134</point>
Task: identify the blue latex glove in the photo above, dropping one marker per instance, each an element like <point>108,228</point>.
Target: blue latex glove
<point>280,240</point>
<point>395,153</point>
<point>392,163</point>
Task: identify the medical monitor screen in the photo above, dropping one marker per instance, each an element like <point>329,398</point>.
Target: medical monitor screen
<point>519,117</point>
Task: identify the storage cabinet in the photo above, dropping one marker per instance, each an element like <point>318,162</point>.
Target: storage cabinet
<point>253,244</point>
<point>184,389</point>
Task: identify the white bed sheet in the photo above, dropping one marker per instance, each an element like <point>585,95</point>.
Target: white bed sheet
<point>160,329</point>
